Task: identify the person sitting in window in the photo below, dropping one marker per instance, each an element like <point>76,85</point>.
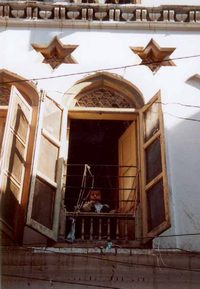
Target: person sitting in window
<point>94,204</point>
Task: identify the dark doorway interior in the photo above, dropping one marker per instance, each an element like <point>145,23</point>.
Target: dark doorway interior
<point>94,142</point>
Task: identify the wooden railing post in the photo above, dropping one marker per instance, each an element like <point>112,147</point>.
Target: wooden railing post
<point>91,228</point>
<point>117,229</point>
<point>126,229</point>
<point>100,228</point>
<point>108,229</point>
<point>82,228</point>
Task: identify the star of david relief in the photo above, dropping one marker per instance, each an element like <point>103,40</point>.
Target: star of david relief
<point>56,53</point>
<point>154,56</point>
<point>103,97</point>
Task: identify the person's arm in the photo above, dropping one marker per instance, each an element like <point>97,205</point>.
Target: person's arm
<point>87,206</point>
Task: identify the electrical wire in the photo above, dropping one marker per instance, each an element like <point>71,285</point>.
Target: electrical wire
<point>183,118</point>
<point>59,281</point>
<point>165,249</point>
<point>178,103</point>
<point>102,258</point>
<point>180,117</point>
<point>100,69</point>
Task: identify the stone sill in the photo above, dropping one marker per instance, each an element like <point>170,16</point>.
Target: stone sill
<point>113,251</point>
<point>29,268</point>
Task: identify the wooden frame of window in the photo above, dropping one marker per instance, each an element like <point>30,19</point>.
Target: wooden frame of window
<point>46,184</point>
<point>153,191</point>
<point>154,188</point>
<point>15,164</point>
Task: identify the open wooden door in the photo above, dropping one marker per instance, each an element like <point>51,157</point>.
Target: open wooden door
<point>13,161</point>
<point>154,191</point>
<point>128,169</point>
<point>46,185</point>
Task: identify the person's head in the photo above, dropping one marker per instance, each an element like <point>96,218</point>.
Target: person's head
<point>95,195</point>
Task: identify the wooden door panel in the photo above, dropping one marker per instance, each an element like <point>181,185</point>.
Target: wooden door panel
<point>15,141</point>
<point>14,156</point>
<point>127,168</point>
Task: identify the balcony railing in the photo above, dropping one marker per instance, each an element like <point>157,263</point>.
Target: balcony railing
<point>119,188</point>
<point>86,227</point>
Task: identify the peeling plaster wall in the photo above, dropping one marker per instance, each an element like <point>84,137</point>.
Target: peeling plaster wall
<point>99,49</point>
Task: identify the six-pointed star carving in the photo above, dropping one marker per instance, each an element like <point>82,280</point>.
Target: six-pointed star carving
<point>154,56</point>
<point>56,53</point>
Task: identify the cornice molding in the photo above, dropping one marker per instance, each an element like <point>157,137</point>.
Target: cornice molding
<point>122,16</point>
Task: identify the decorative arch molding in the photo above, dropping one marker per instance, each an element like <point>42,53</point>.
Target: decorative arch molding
<point>104,89</point>
<point>28,89</point>
<point>103,97</point>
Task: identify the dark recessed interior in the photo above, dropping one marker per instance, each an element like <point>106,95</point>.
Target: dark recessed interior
<point>94,142</point>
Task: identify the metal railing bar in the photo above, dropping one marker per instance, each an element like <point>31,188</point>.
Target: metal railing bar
<point>99,188</point>
<point>101,165</point>
<point>100,215</point>
<point>100,176</point>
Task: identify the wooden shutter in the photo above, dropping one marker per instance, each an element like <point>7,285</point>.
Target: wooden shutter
<point>154,193</point>
<point>128,169</point>
<point>13,157</point>
<point>45,192</point>
<point>3,114</point>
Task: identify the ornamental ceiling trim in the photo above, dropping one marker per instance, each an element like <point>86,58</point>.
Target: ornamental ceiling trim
<point>25,87</point>
<point>4,94</point>
<point>82,15</point>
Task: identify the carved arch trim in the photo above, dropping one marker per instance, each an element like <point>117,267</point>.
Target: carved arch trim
<point>104,89</point>
<point>28,89</point>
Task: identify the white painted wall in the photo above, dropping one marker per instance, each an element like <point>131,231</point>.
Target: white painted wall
<point>100,49</point>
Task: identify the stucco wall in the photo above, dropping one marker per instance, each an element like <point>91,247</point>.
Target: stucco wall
<point>95,268</point>
<point>100,49</point>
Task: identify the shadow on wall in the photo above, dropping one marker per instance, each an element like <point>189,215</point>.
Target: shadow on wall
<point>184,150</point>
<point>194,81</point>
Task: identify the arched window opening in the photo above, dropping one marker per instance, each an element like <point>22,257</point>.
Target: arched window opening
<point>109,155</point>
